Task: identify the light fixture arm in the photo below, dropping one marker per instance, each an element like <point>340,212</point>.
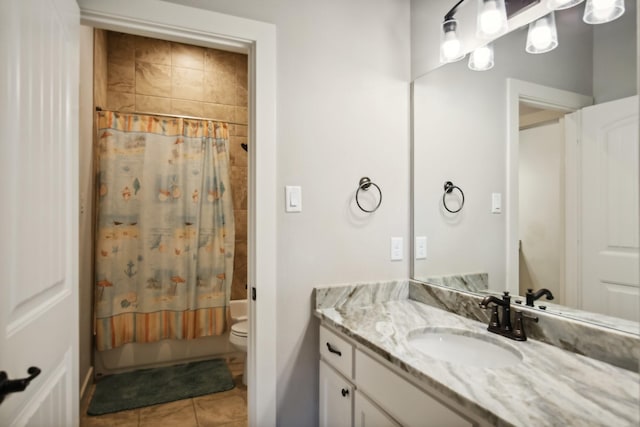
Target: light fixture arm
<point>453,11</point>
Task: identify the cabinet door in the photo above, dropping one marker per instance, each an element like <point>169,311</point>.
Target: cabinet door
<point>366,414</point>
<point>336,398</point>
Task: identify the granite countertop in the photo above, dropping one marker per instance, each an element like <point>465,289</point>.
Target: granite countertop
<point>549,387</point>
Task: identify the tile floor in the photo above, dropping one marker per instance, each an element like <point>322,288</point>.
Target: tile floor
<point>224,409</point>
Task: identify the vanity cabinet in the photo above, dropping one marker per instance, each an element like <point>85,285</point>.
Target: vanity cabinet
<point>358,390</point>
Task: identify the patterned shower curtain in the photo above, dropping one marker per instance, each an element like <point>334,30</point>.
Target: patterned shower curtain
<point>165,229</point>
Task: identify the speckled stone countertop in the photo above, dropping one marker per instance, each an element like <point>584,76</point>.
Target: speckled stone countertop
<point>549,387</point>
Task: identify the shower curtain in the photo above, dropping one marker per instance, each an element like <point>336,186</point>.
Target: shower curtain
<point>165,229</point>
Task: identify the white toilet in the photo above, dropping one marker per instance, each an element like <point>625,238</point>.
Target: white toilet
<point>239,330</point>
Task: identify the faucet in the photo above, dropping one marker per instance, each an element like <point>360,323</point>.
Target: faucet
<point>495,325</point>
<point>532,296</point>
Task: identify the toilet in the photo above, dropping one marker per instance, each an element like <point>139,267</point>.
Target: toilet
<point>239,330</point>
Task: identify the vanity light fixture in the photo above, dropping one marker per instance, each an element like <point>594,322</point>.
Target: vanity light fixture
<point>602,11</point>
<point>481,59</point>
<point>562,4</point>
<point>492,18</point>
<point>450,46</point>
<point>542,35</point>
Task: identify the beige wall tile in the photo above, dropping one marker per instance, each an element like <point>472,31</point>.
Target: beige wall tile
<point>224,113</point>
<point>187,108</point>
<point>119,101</point>
<point>241,225</point>
<point>121,75</point>
<point>153,79</point>
<point>242,115</point>
<point>238,290</point>
<point>187,56</point>
<point>153,104</point>
<point>220,77</point>
<point>153,50</point>
<point>186,83</point>
<point>100,68</point>
<point>242,130</point>
<point>239,187</point>
<point>121,45</point>
<point>236,152</point>
<point>242,81</point>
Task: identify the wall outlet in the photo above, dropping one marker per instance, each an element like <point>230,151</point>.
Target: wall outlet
<point>421,247</point>
<point>396,248</point>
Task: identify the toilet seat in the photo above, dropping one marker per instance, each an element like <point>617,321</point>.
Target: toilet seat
<point>240,329</point>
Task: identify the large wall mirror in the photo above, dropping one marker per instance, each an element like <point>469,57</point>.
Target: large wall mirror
<point>545,149</point>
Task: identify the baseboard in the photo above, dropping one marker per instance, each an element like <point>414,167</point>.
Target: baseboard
<point>87,381</point>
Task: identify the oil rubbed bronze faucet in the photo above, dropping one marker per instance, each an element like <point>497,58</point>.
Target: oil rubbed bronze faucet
<point>533,296</point>
<point>502,324</point>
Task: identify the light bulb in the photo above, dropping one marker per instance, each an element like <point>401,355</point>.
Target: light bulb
<point>542,35</point>
<point>481,59</point>
<point>450,46</point>
<point>492,18</point>
<point>602,11</point>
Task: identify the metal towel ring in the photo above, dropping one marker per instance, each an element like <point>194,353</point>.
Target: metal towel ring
<point>448,188</point>
<point>364,185</point>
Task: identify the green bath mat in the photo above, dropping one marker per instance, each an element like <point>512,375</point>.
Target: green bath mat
<point>147,387</point>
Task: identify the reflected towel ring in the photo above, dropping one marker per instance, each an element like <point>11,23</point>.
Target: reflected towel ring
<point>448,188</point>
<point>365,184</point>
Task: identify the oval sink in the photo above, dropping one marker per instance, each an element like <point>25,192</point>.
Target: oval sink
<point>462,347</point>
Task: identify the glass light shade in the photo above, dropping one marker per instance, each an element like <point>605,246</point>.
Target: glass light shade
<point>450,46</point>
<point>481,59</point>
<point>601,11</point>
<point>492,18</point>
<point>562,4</point>
<point>542,36</point>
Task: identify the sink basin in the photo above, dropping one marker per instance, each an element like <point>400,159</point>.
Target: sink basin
<point>463,347</point>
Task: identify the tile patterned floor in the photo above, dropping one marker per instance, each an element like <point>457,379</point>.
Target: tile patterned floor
<point>225,409</point>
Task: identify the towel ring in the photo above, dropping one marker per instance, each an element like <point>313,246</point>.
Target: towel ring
<point>364,185</point>
<point>448,188</point>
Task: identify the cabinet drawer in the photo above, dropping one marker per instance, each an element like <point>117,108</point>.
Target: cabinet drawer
<point>402,400</point>
<point>336,351</point>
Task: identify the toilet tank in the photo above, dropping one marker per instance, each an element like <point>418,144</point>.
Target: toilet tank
<point>238,309</point>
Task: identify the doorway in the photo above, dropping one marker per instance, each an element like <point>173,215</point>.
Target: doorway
<point>256,39</point>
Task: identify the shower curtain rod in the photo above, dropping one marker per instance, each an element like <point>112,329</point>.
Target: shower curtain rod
<point>176,116</point>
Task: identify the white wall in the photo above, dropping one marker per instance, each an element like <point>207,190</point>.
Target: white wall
<point>541,208</point>
<point>343,113</point>
<point>460,136</point>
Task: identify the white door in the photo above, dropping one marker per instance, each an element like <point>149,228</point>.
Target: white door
<point>610,268</point>
<point>336,397</point>
<point>39,215</point>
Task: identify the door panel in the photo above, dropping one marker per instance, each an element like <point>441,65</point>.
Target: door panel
<point>38,138</point>
<point>610,267</point>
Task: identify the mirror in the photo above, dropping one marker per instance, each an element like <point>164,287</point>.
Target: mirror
<point>524,210</point>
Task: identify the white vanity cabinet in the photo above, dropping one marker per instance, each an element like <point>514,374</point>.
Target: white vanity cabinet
<point>358,390</point>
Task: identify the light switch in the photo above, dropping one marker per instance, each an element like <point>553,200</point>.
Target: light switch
<point>293,198</point>
<point>496,203</point>
<point>421,247</point>
<point>396,248</point>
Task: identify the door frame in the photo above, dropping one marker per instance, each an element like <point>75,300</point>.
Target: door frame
<point>184,24</point>
<point>544,97</point>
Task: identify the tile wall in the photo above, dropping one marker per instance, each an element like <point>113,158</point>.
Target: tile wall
<point>158,76</point>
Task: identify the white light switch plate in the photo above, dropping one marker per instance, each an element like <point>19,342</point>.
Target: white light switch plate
<point>293,198</point>
<point>421,247</point>
<point>496,203</point>
<point>396,248</point>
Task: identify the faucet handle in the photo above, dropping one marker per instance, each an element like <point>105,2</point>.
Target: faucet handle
<point>518,328</point>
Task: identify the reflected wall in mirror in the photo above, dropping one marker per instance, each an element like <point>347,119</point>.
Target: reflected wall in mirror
<point>504,131</point>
